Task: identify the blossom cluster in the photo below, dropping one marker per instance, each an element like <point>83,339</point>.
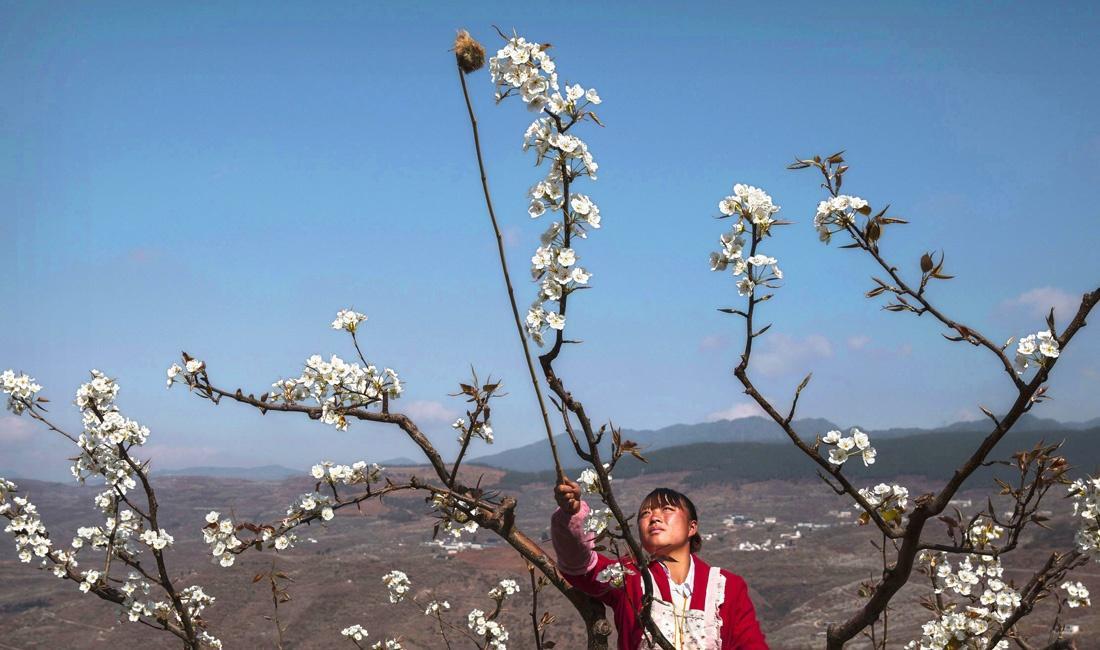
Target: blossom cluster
<point>507,587</point>
<point>398,584</point>
<point>983,533</point>
<point>524,68</point>
<point>493,632</point>
<point>310,503</point>
<point>554,265</point>
<point>355,632</point>
<point>355,474</point>
<point>221,535</point>
<point>890,501</point>
<point>857,443</point>
<point>454,516</point>
<point>614,575</point>
<point>1035,348</point>
<point>979,579</point>
<point>105,443</point>
<point>20,390</point>
<point>348,320</point>
<point>752,203</point>
<point>598,520</point>
<point>837,213</point>
<point>1077,595</point>
<point>120,526</point>
<point>187,373</point>
<point>589,480</point>
<point>157,539</point>
<point>436,607</point>
<point>195,600</point>
<point>481,430</point>
<point>106,432</point>
<point>756,206</point>
<point>31,538</point>
<point>1086,505</point>
<point>337,386</point>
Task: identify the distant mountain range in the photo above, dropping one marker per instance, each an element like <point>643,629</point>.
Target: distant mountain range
<point>264,473</point>
<point>933,454</point>
<point>535,457</point>
<point>744,438</point>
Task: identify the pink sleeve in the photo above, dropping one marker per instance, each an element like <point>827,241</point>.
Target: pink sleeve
<point>573,546</point>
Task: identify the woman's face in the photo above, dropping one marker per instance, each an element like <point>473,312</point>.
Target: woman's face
<point>665,528</point>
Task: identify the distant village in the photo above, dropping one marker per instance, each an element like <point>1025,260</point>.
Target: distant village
<point>783,536</point>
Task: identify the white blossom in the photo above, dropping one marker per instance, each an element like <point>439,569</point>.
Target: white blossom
<point>493,632</point>
<point>507,587</point>
<point>836,214</point>
<point>398,584</point>
<point>524,68</point>
<point>1036,348</point>
<point>1085,493</point>
<point>987,602</point>
<point>1077,595</point>
<point>21,390</point>
<point>614,575</point>
<point>890,501</point>
<point>436,606</point>
<point>355,632</point>
<point>857,443</point>
<point>347,319</point>
<point>589,480</point>
<point>555,320</point>
<point>983,533</point>
<point>598,520</point>
<point>337,386</point>
<point>158,539</point>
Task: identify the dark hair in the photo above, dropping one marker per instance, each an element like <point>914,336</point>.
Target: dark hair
<point>670,497</point>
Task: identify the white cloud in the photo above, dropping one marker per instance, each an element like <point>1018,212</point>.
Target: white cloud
<point>858,342</point>
<point>737,411</point>
<point>15,429</point>
<point>781,354</point>
<point>1037,302</point>
<point>967,415</point>
<point>429,411</point>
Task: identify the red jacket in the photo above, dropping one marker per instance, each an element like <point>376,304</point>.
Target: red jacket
<point>580,565</point>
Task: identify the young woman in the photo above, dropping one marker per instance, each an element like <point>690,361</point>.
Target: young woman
<point>696,607</point>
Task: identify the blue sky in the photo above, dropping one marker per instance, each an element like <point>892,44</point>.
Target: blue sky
<point>222,179</point>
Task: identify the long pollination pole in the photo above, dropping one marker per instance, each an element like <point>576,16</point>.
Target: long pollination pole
<point>470,56</point>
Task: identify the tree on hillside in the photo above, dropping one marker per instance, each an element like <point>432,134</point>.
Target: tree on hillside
<point>972,605</point>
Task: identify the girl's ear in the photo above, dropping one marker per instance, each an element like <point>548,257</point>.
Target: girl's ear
<point>693,528</point>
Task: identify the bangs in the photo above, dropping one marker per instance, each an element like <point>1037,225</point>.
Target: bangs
<point>667,497</point>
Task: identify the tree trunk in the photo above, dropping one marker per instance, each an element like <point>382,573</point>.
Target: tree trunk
<point>596,625</point>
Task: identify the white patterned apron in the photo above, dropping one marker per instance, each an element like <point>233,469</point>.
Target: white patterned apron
<point>690,629</point>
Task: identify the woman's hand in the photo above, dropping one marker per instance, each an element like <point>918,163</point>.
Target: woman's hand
<point>568,495</point>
